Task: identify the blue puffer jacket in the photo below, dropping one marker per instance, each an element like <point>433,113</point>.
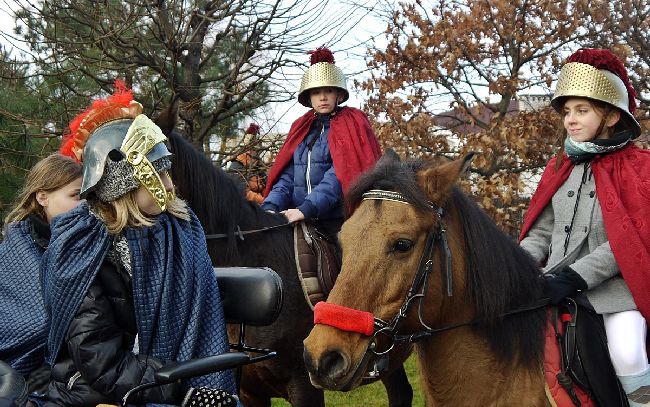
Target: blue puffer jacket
<point>309,182</point>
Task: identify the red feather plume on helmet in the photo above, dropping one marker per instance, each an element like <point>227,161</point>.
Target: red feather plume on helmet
<point>605,59</point>
<point>321,54</point>
<point>120,105</point>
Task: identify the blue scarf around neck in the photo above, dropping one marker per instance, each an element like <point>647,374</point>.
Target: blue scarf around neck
<point>585,150</point>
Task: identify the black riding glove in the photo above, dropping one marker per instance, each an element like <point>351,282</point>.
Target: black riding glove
<point>205,396</point>
<point>563,284</point>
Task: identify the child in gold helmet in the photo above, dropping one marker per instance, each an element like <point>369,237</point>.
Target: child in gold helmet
<point>587,220</point>
<point>325,150</point>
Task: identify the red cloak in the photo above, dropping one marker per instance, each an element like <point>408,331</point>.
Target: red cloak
<point>623,189</point>
<point>352,143</point>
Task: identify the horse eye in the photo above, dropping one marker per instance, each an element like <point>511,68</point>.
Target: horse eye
<point>402,245</point>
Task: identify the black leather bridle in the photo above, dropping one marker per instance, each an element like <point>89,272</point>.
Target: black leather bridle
<point>417,291</point>
<point>419,285</point>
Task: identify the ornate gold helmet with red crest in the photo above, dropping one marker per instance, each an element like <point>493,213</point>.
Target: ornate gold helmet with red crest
<point>120,149</point>
<point>599,75</point>
<point>322,73</point>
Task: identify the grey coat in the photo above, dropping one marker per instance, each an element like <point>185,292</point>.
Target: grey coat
<point>588,251</point>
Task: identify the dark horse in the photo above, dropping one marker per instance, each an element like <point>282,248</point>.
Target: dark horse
<point>219,203</point>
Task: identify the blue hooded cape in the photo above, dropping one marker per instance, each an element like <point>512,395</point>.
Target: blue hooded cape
<point>23,330</point>
<point>176,298</point>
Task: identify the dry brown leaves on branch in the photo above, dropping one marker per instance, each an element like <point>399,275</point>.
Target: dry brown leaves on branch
<point>452,79</point>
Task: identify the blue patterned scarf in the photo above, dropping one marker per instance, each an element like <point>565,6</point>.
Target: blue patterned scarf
<point>22,313</point>
<point>581,151</point>
<point>177,304</point>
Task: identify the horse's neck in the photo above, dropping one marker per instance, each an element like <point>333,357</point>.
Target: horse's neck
<point>458,369</point>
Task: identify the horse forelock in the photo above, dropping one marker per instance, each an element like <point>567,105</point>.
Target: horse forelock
<point>393,176</point>
<point>500,275</point>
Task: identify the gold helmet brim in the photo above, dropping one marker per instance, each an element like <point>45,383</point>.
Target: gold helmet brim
<point>583,80</point>
<point>322,75</point>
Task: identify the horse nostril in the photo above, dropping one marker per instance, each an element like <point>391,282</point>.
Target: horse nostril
<point>333,364</point>
<point>309,361</point>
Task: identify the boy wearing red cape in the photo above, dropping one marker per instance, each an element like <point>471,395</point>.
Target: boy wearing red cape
<point>326,149</point>
<point>588,221</point>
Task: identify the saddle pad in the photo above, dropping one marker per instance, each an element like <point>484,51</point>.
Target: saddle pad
<point>316,263</point>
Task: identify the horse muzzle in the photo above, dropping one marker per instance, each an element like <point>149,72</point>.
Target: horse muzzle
<point>334,370</point>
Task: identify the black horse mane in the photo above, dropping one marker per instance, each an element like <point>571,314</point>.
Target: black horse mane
<point>501,276</point>
<point>214,195</point>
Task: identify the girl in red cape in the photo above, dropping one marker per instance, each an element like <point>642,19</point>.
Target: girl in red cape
<point>325,150</point>
<point>587,220</point>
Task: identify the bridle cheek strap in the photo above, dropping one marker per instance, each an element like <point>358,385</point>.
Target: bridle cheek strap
<point>344,318</point>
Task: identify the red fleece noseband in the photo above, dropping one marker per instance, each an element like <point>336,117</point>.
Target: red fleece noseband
<point>344,318</point>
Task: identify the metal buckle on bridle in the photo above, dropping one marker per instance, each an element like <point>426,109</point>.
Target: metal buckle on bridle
<point>381,327</point>
<point>417,291</point>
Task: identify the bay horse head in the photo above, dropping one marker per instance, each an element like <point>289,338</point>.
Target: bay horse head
<point>422,263</point>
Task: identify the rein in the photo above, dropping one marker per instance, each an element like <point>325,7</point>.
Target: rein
<point>432,331</point>
<point>417,290</point>
<point>241,233</point>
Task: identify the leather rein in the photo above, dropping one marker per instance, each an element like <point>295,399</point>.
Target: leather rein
<point>417,291</point>
<point>241,233</point>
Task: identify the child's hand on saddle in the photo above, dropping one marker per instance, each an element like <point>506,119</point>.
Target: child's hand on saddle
<point>293,215</point>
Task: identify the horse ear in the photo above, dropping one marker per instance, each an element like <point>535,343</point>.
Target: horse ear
<point>467,161</point>
<point>389,156</point>
<point>168,118</point>
<point>437,181</point>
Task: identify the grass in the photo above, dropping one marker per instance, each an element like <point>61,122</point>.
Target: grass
<point>370,395</point>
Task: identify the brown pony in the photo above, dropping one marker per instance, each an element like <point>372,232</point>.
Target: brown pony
<point>222,208</point>
<point>470,353</point>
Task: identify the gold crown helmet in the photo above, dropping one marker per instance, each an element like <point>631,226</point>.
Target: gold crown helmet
<point>582,79</point>
<point>322,73</point>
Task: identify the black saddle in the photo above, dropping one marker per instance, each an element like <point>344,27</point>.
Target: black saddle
<point>250,295</point>
<point>585,356</point>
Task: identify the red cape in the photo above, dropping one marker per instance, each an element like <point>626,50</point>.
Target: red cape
<point>352,143</point>
<point>623,189</point>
